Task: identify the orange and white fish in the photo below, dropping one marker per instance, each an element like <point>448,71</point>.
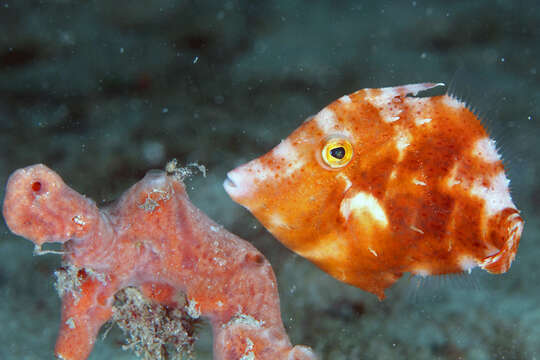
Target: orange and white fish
<point>379,183</point>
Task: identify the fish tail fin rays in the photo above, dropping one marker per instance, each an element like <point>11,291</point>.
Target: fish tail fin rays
<point>505,237</point>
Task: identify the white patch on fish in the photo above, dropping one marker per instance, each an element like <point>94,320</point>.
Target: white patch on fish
<point>453,102</point>
<point>419,122</point>
<point>496,196</point>
<point>421,271</point>
<point>403,140</point>
<point>383,102</point>
<point>485,149</point>
<point>260,172</point>
<point>326,121</point>
<point>277,221</point>
<point>418,182</point>
<point>467,263</point>
<point>364,203</point>
<point>348,182</point>
<point>452,179</point>
<point>285,151</point>
<point>345,99</point>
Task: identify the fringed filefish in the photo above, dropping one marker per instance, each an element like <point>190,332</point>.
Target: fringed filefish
<point>381,182</point>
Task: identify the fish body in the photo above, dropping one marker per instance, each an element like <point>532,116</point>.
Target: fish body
<point>380,183</point>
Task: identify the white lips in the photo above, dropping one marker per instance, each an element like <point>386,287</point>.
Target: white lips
<point>236,184</point>
<point>246,179</point>
<point>229,183</point>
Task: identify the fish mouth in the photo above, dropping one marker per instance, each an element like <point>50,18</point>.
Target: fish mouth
<point>232,185</point>
<point>239,185</point>
<point>229,183</point>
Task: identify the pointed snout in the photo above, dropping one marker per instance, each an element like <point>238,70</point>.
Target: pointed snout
<point>240,183</point>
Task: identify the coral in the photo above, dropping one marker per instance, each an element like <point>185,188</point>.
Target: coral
<point>153,240</point>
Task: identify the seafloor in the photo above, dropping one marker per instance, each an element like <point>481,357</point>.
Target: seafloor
<point>102,91</point>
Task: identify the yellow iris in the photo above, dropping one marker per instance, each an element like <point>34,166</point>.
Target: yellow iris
<point>337,152</point>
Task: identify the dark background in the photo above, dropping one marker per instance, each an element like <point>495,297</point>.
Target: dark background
<point>102,91</point>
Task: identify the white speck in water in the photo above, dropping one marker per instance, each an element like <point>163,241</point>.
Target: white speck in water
<point>65,37</point>
<point>292,290</point>
<point>121,50</point>
<point>153,152</point>
<point>529,117</point>
<point>219,99</point>
<point>195,59</point>
<point>423,55</point>
<point>502,60</point>
<point>165,110</point>
<point>260,47</point>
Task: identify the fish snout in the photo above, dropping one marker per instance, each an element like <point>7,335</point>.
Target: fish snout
<point>506,232</point>
<point>239,183</point>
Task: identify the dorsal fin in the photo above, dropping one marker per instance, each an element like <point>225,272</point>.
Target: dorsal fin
<point>484,98</point>
<point>412,89</point>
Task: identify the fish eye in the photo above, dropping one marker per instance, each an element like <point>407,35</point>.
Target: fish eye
<point>337,152</point>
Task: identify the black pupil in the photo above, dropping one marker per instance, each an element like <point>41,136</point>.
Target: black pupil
<point>338,152</point>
